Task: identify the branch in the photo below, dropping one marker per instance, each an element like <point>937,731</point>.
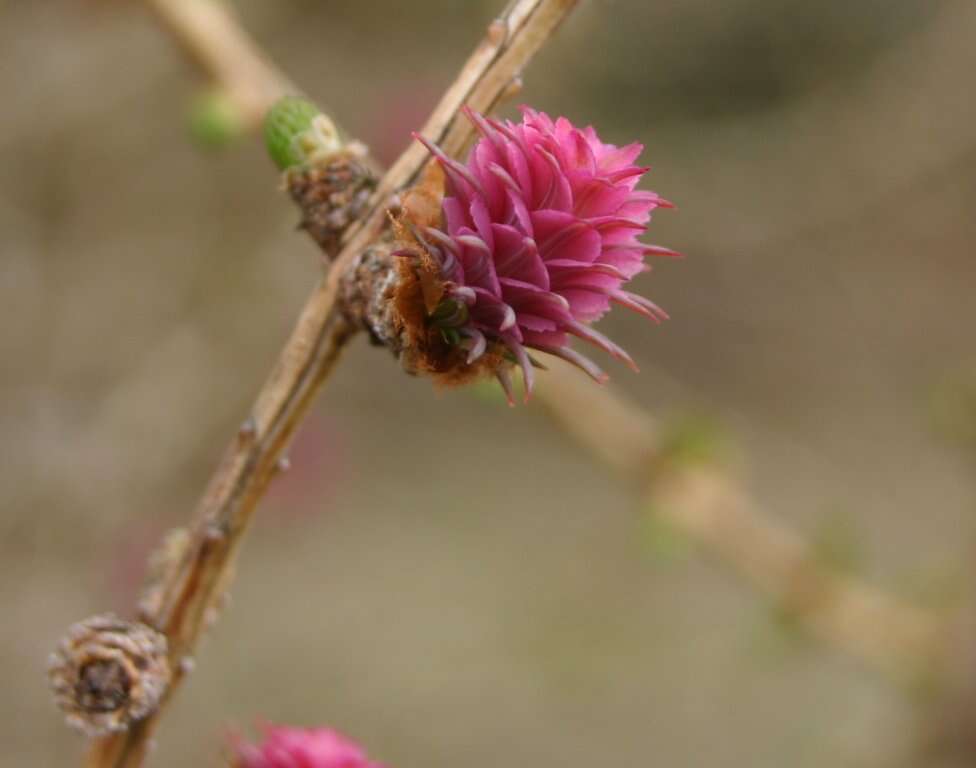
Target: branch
<point>191,594</point>
<point>212,37</point>
<point>708,504</point>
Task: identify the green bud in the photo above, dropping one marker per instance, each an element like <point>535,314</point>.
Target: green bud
<point>451,336</point>
<point>775,636</point>
<point>296,133</point>
<point>662,540</point>
<point>693,439</point>
<point>450,313</point>
<point>836,543</point>
<point>953,408</point>
<point>215,120</point>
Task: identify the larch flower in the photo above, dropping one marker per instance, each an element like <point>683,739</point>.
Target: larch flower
<point>287,747</point>
<point>538,234</point>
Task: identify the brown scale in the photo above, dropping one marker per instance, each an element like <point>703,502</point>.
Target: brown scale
<point>420,288</point>
<point>332,194</point>
<point>393,297</point>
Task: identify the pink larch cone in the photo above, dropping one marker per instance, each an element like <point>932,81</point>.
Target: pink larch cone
<point>538,236</point>
<point>286,747</point>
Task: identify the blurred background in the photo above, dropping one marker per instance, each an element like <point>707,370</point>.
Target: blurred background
<point>449,581</point>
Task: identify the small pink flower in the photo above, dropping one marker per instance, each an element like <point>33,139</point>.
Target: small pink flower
<point>539,234</point>
<point>286,747</point>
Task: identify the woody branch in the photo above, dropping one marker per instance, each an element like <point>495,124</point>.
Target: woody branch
<point>707,502</point>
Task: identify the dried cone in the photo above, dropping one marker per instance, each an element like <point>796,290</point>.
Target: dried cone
<point>107,673</point>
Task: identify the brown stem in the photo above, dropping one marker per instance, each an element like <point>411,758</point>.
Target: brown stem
<point>190,596</point>
<point>250,462</point>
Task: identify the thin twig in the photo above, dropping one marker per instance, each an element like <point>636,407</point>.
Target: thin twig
<point>191,597</point>
<point>213,38</point>
<point>707,503</point>
<point>192,594</point>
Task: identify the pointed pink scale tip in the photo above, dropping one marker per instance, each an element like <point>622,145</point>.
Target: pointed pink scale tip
<point>503,129</point>
<point>607,222</point>
<point>431,146</point>
<point>442,239</point>
<point>607,269</point>
<point>450,165</point>
<point>573,357</point>
<point>640,305</point>
<point>478,346</point>
<point>466,294</point>
<point>528,375</point>
<point>483,126</point>
<point>597,339</point>
<point>660,250</point>
<point>510,318</point>
<point>506,178</point>
<point>503,378</point>
<point>627,173</point>
<point>473,241</point>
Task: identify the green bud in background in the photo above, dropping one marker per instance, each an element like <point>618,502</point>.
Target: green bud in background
<point>450,314</point>
<point>836,542</point>
<point>953,408</point>
<point>296,133</point>
<point>661,538</point>
<point>693,439</point>
<point>215,120</point>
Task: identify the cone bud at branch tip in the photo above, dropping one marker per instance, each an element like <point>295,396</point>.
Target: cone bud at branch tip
<point>297,133</point>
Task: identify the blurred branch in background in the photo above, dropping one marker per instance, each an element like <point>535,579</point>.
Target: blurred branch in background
<point>953,409</point>
<point>703,500</point>
<point>245,81</point>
